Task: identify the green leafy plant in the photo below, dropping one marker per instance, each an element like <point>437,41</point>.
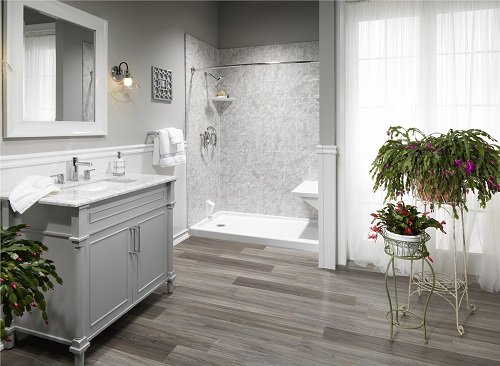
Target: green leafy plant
<point>439,168</point>
<point>402,219</point>
<point>24,276</point>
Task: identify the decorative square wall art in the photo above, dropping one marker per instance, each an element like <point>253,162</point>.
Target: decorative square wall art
<point>161,84</point>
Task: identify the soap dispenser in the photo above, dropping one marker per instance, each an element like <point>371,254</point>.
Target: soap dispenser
<point>119,165</point>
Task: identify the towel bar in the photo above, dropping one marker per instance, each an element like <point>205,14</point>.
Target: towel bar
<point>155,133</point>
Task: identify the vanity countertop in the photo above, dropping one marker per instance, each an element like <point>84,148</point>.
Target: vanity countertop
<point>74,194</point>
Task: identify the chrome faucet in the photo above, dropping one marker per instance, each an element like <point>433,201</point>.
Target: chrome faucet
<point>74,171</point>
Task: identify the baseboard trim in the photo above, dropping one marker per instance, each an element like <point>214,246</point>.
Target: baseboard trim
<point>179,238</point>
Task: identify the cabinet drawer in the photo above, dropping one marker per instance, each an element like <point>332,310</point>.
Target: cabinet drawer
<point>125,207</point>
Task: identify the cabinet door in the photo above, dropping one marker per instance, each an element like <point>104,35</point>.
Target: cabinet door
<point>151,253</point>
<point>110,267</point>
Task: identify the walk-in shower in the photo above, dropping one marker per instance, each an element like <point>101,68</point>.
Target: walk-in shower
<point>267,136</point>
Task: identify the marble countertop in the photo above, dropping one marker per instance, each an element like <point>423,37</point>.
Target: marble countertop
<point>71,196</point>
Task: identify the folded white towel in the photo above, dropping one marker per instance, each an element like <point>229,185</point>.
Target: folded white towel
<point>28,191</point>
<point>168,148</point>
<point>176,136</point>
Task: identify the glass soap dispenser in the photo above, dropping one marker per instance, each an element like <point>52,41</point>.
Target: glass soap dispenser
<point>119,165</point>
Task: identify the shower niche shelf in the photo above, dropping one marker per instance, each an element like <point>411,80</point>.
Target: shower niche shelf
<point>222,99</point>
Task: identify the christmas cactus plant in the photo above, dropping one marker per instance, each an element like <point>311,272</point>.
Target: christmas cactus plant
<point>438,168</point>
<point>24,276</point>
<point>402,219</point>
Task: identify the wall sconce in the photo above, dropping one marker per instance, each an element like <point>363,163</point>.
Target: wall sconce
<point>5,67</point>
<point>118,74</point>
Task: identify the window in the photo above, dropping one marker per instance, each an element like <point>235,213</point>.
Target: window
<point>431,65</point>
<point>40,75</point>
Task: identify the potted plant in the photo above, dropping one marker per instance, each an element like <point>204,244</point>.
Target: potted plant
<point>404,226</point>
<point>24,276</point>
<point>438,168</point>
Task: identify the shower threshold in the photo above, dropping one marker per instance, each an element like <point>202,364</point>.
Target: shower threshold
<point>278,231</point>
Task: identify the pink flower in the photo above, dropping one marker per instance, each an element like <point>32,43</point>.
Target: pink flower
<point>458,163</point>
<point>469,167</point>
<point>373,236</point>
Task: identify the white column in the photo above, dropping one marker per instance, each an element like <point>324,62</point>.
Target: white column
<point>327,212</point>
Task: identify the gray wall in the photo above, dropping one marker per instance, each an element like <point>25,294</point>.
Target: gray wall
<point>142,34</point>
<point>257,23</point>
<point>326,73</point>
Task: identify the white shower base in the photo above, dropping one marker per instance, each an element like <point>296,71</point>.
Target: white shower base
<point>278,231</point>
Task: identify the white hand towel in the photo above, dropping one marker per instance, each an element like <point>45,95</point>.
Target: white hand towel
<point>176,136</point>
<point>168,148</point>
<point>27,192</point>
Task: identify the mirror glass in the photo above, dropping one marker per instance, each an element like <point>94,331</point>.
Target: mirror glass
<point>59,69</point>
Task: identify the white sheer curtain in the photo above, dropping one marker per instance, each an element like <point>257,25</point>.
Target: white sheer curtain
<point>426,64</point>
<point>40,78</point>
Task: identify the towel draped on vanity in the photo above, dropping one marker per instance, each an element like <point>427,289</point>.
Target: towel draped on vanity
<point>28,191</point>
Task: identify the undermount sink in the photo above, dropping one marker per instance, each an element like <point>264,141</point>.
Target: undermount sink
<point>102,185</point>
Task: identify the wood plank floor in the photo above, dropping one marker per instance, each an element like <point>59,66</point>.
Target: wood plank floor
<point>240,304</point>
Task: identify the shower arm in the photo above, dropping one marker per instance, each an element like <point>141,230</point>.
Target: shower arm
<point>212,75</point>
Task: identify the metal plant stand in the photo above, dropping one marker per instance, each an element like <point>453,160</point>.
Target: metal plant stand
<point>409,251</point>
<point>453,288</point>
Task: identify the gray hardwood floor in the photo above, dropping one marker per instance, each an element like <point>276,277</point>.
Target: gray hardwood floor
<point>242,304</point>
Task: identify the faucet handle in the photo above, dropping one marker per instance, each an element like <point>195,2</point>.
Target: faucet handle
<point>59,178</point>
<point>86,173</point>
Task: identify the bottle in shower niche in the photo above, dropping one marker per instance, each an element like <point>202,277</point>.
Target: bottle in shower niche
<point>119,165</point>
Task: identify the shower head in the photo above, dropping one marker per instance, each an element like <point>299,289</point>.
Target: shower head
<point>218,79</point>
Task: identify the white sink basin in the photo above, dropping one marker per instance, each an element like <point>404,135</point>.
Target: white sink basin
<point>102,185</point>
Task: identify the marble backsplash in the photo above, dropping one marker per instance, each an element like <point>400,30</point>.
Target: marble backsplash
<point>267,136</point>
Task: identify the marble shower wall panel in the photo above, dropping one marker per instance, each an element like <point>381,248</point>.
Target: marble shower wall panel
<point>202,165</point>
<point>268,136</point>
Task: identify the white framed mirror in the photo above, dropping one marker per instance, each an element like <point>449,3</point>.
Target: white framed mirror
<point>58,83</point>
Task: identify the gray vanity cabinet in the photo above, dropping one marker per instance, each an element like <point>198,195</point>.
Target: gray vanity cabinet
<point>111,254</point>
<point>138,266</point>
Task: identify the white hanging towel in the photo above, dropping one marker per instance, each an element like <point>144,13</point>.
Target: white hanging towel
<point>28,191</point>
<point>168,147</point>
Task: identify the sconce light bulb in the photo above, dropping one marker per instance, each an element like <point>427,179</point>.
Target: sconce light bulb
<point>127,81</point>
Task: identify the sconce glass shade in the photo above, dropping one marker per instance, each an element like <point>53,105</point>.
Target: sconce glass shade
<point>123,76</point>
<point>127,78</point>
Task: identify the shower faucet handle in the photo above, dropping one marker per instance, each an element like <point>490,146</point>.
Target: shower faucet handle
<point>213,135</point>
<point>209,137</point>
